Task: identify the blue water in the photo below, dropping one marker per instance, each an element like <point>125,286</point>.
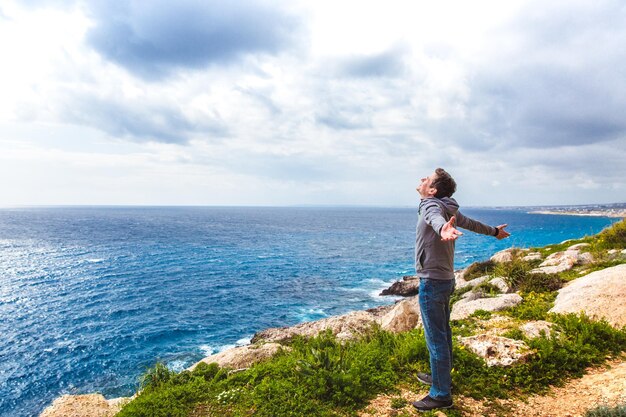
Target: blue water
<point>91,296</point>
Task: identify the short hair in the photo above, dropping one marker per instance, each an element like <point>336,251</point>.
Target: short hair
<point>444,183</point>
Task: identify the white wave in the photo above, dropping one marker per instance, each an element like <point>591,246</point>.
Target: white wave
<point>243,341</point>
<point>95,260</point>
<point>208,350</point>
<point>177,365</point>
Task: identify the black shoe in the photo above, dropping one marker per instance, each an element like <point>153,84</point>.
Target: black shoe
<point>428,403</point>
<point>424,378</point>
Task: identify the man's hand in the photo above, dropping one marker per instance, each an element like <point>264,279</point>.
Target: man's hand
<point>448,232</point>
<point>501,232</point>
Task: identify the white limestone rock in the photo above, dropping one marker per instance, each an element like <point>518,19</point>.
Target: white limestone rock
<point>600,295</point>
<point>472,283</point>
<point>462,309</point>
<point>404,316</point>
<point>497,350</point>
<point>503,256</point>
<point>532,256</point>
<point>87,405</point>
<point>501,284</point>
<point>243,356</point>
<point>535,329</point>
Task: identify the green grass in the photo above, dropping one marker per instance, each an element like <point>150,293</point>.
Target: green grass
<point>324,377</point>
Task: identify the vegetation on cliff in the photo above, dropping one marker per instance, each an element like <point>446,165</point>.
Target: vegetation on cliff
<point>322,376</point>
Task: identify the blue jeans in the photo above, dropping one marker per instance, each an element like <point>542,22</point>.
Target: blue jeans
<point>434,299</point>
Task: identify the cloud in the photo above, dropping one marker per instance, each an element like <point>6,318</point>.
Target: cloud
<point>389,63</point>
<point>152,39</point>
<point>550,77</point>
<point>138,121</point>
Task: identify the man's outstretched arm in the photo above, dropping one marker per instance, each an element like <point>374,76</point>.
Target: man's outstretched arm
<point>477,227</point>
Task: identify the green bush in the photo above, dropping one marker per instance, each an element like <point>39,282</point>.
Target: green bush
<point>539,282</point>
<point>613,237</point>
<point>604,411</point>
<point>478,269</point>
<point>534,306</point>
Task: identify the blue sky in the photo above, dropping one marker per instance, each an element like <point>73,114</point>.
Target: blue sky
<point>311,102</point>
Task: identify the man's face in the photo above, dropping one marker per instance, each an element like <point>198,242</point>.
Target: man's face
<point>425,188</point>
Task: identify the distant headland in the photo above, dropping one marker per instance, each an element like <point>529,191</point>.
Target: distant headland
<point>600,210</point>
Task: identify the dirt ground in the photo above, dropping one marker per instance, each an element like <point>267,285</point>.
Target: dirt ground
<point>605,385</point>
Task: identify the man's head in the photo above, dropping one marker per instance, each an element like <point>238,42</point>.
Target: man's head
<point>439,184</point>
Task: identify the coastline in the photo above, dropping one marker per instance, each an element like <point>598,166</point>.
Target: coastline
<point>613,213</point>
<point>271,338</point>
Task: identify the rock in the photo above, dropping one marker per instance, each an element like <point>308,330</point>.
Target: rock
<point>87,405</point>
<point>470,296</point>
<point>534,329</point>
<point>578,246</point>
<point>501,284</point>
<point>408,287</point>
<point>558,258</point>
<point>600,295</point>
<point>496,350</point>
<point>459,274</point>
<point>503,256</point>
<point>473,283</point>
<point>462,309</point>
<point>243,356</point>
<point>404,316</point>
<point>532,256</point>
<point>616,253</point>
<point>585,258</point>
<point>344,327</point>
<point>558,262</point>
<point>552,269</point>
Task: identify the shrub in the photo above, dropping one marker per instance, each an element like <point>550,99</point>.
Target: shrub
<point>539,282</point>
<point>514,272</point>
<point>535,306</point>
<point>613,237</point>
<point>604,411</point>
<point>478,269</point>
<point>156,376</point>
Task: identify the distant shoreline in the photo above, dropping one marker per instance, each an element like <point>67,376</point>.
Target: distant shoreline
<point>617,213</point>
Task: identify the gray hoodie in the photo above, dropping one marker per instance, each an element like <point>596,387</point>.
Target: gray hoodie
<point>433,258</point>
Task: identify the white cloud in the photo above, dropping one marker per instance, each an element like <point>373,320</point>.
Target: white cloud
<point>351,106</point>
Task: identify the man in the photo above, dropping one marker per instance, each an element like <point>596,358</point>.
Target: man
<point>434,264</point>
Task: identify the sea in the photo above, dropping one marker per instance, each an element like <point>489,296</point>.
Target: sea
<point>90,297</point>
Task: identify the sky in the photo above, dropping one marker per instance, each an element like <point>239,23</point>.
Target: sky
<point>311,102</point>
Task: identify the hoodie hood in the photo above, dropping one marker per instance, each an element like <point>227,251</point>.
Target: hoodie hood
<point>447,204</point>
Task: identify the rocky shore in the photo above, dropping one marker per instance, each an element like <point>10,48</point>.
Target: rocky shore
<point>601,294</point>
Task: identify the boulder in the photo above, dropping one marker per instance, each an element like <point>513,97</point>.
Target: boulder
<point>464,308</point>
<point>460,284</point>
<point>534,329</point>
<point>408,287</point>
<point>501,284</point>
<point>503,256</point>
<point>404,316</point>
<point>585,258</point>
<point>242,356</point>
<point>600,295</point>
<point>532,256</point>
<point>87,405</point>
<point>344,327</point>
<point>496,350</point>
<point>558,262</point>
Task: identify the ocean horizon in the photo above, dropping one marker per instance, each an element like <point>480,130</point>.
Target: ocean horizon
<point>91,296</point>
